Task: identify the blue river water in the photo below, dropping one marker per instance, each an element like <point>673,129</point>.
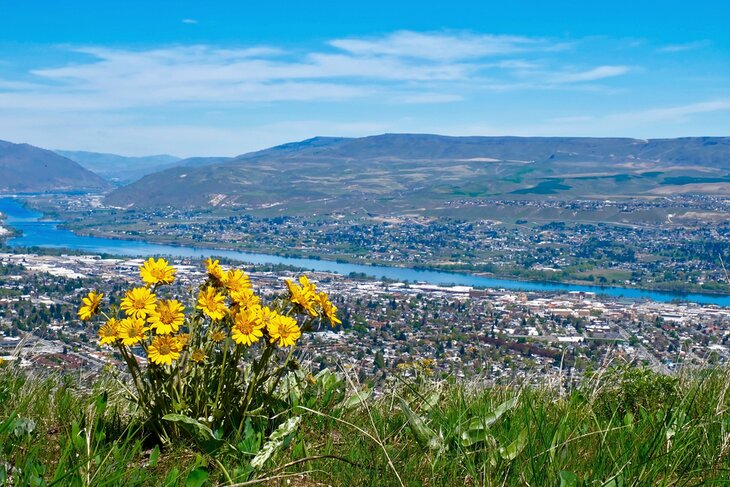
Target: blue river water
<point>44,233</point>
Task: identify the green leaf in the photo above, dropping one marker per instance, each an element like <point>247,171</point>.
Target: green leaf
<point>629,420</point>
<point>101,402</point>
<point>327,380</point>
<point>154,456</point>
<point>425,436</point>
<point>276,441</point>
<point>494,416</point>
<point>568,479</point>
<point>356,400</point>
<point>196,478</point>
<point>476,430</point>
<point>515,448</point>
<point>202,434</point>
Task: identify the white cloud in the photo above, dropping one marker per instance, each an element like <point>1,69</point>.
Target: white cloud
<point>189,21</point>
<point>687,46</point>
<point>593,74</point>
<point>444,46</point>
<point>673,113</point>
<point>101,84</point>
<point>406,67</point>
<point>430,98</point>
<point>621,122</point>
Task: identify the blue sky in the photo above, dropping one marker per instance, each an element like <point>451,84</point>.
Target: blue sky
<point>226,77</point>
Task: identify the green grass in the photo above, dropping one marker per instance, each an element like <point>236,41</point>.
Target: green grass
<point>624,426</point>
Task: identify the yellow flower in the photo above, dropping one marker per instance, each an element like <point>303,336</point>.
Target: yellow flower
<point>214,270</point>
<point>328,309</point>
<point>91,304</point>
<point>244,298</point>
<point>168,316</point>
<point>2,361</point>
<point>109,332</point>
<point>183,339</point>
<point>236,280</point>
<point>247,327</point>
<point>139,302</point>
<point>212,303</point>
<point>198,356</point>
<point>301,295</point>
<point>308,286</point>
<point>264,314</point>
<point>284,330</point>
<point>157,272</point>
<point>164,349</point>
<point>218,335</point>
<point>132,330</point>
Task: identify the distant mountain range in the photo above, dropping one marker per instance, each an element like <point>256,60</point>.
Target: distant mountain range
<point>382,172</point>
<point>118,168</point>
<point>28,169</point>
<point>402,171</point>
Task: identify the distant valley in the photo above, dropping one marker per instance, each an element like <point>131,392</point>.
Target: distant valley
<point>125,169</point>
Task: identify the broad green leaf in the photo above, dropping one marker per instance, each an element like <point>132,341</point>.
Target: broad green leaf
<point>357,399</point>
<point>515,448</point>
<point>494,416</point>
<point>203,435</point>
<point>154,456</point>
<point>425,436</point>
<point>629,420</point>
<point>477,428</point>
<point>431,401</point>
<point>196,478</point>
<point>568,479</point>
<point>276,441</point>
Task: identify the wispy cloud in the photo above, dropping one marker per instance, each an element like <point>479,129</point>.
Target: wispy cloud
<point>675,113</point>
<point>687,46</point>
<point>650,115</point>
<point>600,72</point>
<point>189,21</point>
<point>445,46</point>
<point>404,66</point>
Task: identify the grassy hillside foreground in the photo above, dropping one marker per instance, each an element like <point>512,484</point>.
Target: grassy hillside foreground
<point>624,427</point>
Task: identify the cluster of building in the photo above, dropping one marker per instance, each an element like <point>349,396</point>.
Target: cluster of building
<point>495,334</point>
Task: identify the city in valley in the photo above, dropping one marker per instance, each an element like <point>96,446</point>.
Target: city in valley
<point>493,334</point>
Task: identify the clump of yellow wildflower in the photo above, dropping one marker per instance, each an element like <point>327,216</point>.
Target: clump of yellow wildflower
<point>214,360</point>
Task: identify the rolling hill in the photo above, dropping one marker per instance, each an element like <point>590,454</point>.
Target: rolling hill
<point>28,169</point>
<point>402,171</point>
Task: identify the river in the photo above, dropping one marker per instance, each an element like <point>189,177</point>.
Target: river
<point>45,233</point>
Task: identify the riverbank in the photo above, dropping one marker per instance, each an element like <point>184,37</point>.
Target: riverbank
<point>40,233</point>
<point>446,268</point>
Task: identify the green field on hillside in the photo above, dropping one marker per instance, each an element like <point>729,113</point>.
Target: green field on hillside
<point>622,427</point>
